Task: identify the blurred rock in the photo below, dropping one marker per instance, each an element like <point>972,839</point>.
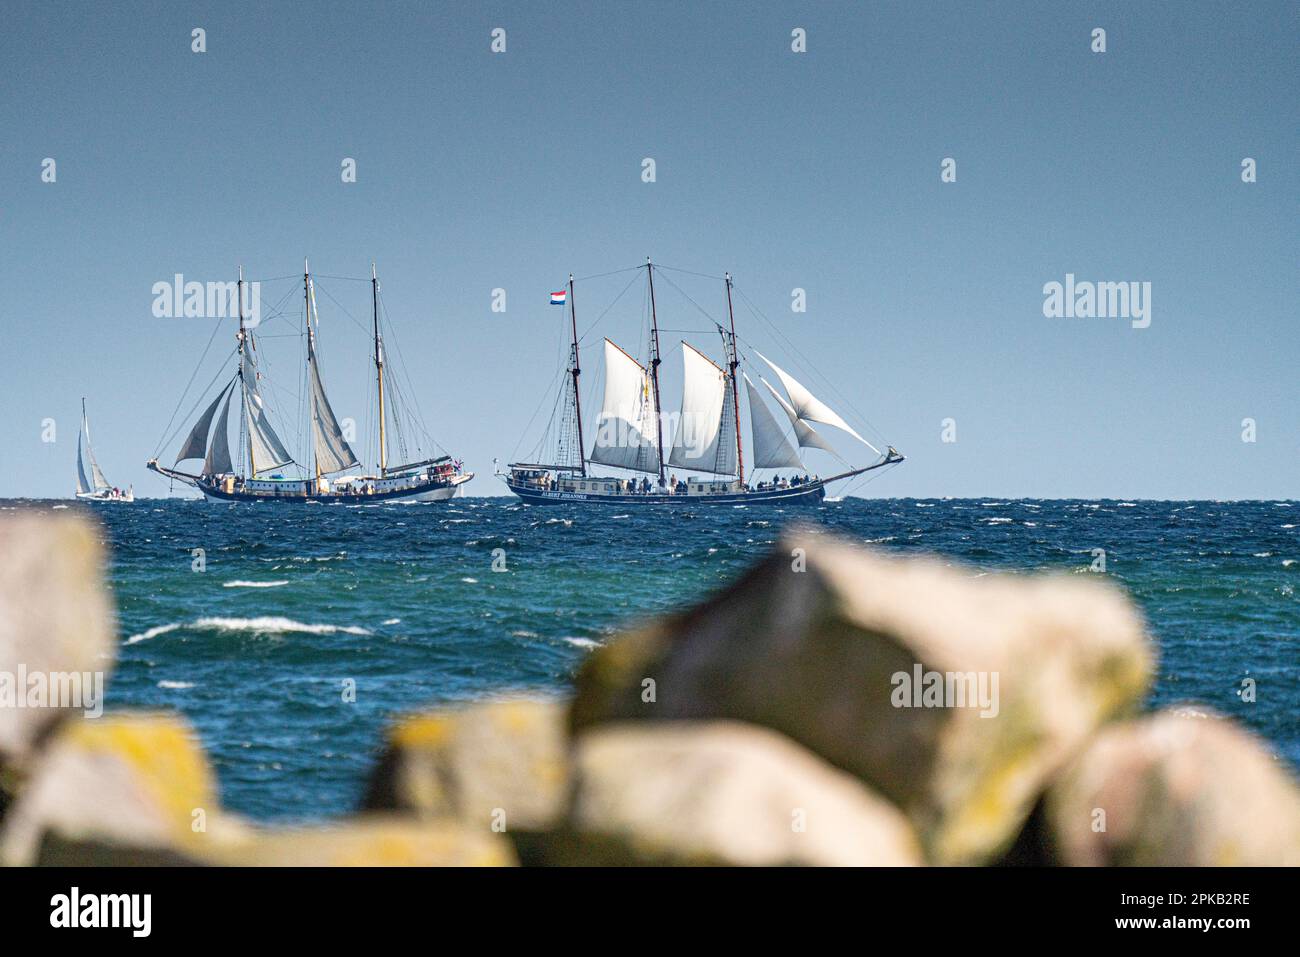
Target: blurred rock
<point>117,789</point>
<point>817,654</point>
<point>723,793</point>
<point>56,619</point>
<point>501,763</point>
<point>1176,790</point>
<point>370,841</point>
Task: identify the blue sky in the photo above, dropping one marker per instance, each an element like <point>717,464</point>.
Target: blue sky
<point>819,170</point>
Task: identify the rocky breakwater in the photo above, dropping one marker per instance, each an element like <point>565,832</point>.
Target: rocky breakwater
<point>833,706</point>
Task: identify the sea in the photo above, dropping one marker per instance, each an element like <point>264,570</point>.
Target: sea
<point>291,636</point>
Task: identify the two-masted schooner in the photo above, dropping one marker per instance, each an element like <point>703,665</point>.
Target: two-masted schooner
<point>257,470</point>
<point>96,488</point>
<point>705,443</point>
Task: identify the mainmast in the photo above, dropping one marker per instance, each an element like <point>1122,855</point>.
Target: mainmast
<point>379,370</point>
<point>311,356</point>
<point>240,338</point>
<point>735,391</point>
<point>577,399</point>
<point>654,368</point>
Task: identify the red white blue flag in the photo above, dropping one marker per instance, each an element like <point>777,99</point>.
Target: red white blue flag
<point>559,298</point>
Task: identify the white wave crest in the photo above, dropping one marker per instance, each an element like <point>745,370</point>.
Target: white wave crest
<point>260,624</point>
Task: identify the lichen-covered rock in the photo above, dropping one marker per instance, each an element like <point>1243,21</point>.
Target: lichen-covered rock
<point>369,841</point>
<point>499,764</point>
<point>1174,790</point>
<point>824,642</point>
<point>56,627</point>
<point>724,793</point>
<point>123,787</point>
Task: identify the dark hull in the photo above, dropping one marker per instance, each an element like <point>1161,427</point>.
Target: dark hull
<point>810,494</point>
<point>437,489</point>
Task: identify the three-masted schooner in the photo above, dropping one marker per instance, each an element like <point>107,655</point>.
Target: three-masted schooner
<point>630,432</point>
<point>96,488</point>
<point>263,458</point>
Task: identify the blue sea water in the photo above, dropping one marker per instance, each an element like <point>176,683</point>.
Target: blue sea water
<point>295,602</point>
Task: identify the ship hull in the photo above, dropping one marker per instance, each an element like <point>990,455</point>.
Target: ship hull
<point>810,494</point>
<point>126,499</point>
<point>438,491</point>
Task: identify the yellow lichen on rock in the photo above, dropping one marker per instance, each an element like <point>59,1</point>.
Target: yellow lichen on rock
<point>136,782</point>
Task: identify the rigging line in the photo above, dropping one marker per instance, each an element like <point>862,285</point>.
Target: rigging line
<point>275,278</point>
<point>688,272</point>
<point>863,481</point>
<point>361,325</point>
<point>602,275</point>
<point>199,365</point>
<point>690,300</point>
<point>418,417</point>
<point>609,307</point>
<point>555,377</point>
<point>807,363</point>
<point>344,278</point>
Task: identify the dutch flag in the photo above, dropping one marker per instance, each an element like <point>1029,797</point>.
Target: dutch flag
<point>559,298</point>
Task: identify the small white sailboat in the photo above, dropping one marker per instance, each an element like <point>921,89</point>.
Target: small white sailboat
<point>97,489</point>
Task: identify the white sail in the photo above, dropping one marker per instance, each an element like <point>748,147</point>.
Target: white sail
<point>82,484</point>
<point>707,412</point>
<point>626,430</point>
<point>218,458</point>
<point>265,447</point>
<point>808,407</point>
<point>333,454</point>
<point>808,437</point>
<point>96,474</point>
<point>772,450</point>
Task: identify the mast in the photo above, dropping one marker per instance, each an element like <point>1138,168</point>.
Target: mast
<point>311,356</point>
<point>654,368</point>
<point>379,370</point>
<point>243,385</point>
<point>735,391</point>
<point>577,399</point>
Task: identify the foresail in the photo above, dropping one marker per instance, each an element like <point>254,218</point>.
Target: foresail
<point>333,454</point>
<point>218,458</point>
<point>808,437</point>
<point>196,443</point>
<point>625,431</point>
<point>701,443</point>
<point>772,450</point>
<point>808,407</point>
<point>96,474</point>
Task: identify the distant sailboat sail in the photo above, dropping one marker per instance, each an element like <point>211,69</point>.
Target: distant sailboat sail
<point>83,485</point>
<point>625,432</point>
<point>707,417</point>
<point>808,407</point>
<point>96,473</point>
